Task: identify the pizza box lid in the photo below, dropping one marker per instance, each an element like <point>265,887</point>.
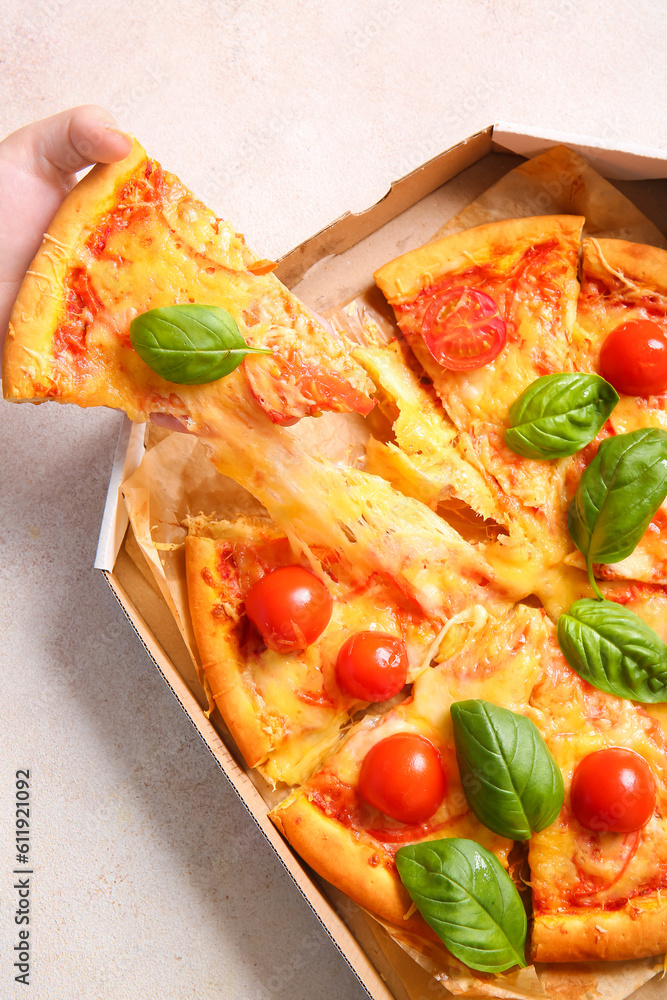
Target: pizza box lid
<point>148,613</point>
<point>625,161</point>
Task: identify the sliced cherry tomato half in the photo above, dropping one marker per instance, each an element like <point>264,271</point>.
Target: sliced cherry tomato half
<point>403,777</point>
<point>372,666</point>
<point>634,358</point>
<point>290,388</point>
<point>614,790</point>
<point>290,606</point>
<point>463,329</point>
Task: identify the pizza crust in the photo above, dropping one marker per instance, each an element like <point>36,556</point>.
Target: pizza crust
<point>27,358</point>
<point>339,856</point>
<point>638,930</point>
<point>222,662</point>
<point>404,277</point>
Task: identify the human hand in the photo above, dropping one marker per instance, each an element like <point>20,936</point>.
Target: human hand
<point>38,165</point>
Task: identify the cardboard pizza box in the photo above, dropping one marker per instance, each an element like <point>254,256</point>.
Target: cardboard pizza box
<point>326,271</point>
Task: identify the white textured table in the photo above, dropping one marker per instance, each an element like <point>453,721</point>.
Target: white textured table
<point>149,878</point>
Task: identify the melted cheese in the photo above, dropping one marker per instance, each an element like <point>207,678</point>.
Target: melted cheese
<point>296,697</point>
<point>429,459</point>
<point>485,658</point>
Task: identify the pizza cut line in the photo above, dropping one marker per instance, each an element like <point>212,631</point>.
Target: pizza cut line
<point>438,552</point>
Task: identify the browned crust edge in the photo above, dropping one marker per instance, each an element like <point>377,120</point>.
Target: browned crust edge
<point>221,657</point>
<point>638,262</point>
<point>402,278</point>
<point>339,856</point>
<point>639,930</point>
<point>28,354</point>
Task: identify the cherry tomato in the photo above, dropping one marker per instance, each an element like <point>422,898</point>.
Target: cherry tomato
<point>613,790</point>
<point>372,665</point>
<point>463,329</point>
<point>634,358</point>
<point>402,776</point>
<point>290,606</point>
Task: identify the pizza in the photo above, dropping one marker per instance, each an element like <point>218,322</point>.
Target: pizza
<point>595,895</point>
<point>341,630</point>
<point>130,238</point>
<point>517,283</point>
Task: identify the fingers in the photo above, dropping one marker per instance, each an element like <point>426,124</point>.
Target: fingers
<point>38,165</point>
<point>94,138</point>
<point>57,147</point>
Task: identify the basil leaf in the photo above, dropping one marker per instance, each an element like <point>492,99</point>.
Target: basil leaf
<point>190,344</point>
<point>512,783</point>
<point>464,893</point>
<point>618,496</point>
<point>558,415</point>
<point>614,650</point>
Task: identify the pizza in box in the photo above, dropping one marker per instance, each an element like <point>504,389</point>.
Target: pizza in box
<point>450,656</point>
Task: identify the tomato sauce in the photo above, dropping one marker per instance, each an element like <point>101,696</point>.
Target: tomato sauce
<point>540,261</point>
<point>137,200</point>
<point>344,803</point>
<point>614,294</point>
<point>320,699</point>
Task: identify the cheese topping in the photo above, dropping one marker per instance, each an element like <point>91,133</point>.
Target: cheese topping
<point>296,696</point>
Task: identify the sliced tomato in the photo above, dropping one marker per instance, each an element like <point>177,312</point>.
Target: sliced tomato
<point>463,329</point>
<point>291,607</point>
<point>289,388</point>
<point>613,789</point>
<point>329,390</point>
<point>634,358</point>
<point>372,666</point>
<point>403,777</point>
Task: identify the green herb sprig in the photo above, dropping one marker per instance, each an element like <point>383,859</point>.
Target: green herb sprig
<point>190,344</point>
<point>466,896</point>
<point>558,415</point>
<point>512,783</point>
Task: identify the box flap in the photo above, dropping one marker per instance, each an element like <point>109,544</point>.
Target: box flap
<point>625,161</point>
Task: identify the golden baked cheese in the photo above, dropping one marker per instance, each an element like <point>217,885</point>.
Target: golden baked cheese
<point>285,709</point>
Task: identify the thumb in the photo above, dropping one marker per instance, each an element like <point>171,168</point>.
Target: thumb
<point>56,147</point>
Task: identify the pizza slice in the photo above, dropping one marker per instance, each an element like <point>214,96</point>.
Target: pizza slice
<point>621,333</point>
<point>285,703</point>
<point>486,312</point>
<point>129,238</point>
<point>286,707</point>
<point>351,842</point>
<point>597,877</point>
